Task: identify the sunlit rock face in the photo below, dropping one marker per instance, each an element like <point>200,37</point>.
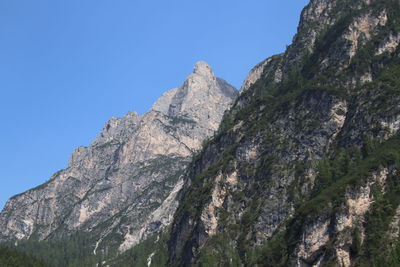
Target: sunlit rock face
<point>125,183</point>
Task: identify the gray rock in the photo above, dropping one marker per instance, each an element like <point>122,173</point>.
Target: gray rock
<point>126,181</point>
<point>261,196</point>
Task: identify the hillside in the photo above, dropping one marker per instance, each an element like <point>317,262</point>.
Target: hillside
<point>304,170</point>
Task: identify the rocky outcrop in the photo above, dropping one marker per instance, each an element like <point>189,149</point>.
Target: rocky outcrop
<point>123,186</point>
<point>304,161</point>
<point>254,75</point>
<point>304,169</point>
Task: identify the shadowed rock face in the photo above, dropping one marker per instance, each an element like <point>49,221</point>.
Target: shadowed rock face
<point>288,180</point>
<point>303,171</point>
<point>126,181</point>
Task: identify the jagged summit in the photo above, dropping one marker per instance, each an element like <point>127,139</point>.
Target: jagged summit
<point>197,97</point>
<point>124,184</point>
<point>204,69</point>
<point>200,78</point>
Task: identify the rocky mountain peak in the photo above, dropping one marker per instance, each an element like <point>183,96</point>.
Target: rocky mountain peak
<point>204,69</point>
<point>320,14</point>
<point>126,182</point>
<point>200,80</point>
<point>198,97</point>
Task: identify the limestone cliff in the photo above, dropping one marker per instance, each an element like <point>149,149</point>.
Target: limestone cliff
<point>122,187</point>
<point>304,170</point>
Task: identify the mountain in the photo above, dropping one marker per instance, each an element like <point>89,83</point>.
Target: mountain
<point>305,168</point>
<point>122,187</point>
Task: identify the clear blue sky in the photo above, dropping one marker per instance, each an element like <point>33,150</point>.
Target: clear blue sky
<point>67,66</point>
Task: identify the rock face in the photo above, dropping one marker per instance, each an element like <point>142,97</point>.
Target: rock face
<point>123,186</point>
<point>304,170</point>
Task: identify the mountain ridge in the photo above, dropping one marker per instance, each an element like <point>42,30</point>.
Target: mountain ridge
<point>295,137</point>
<point>304,168</point>
<point>132,155</point>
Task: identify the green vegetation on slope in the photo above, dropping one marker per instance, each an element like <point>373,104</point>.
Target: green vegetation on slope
<point>74,251</point>
<point>344,167</point>
<point>331,199</point>
<point>13,258</point>
<point>152,251</point>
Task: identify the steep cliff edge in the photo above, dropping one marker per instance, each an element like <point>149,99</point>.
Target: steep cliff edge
<point>122,187</point>
<point>304,170</point>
